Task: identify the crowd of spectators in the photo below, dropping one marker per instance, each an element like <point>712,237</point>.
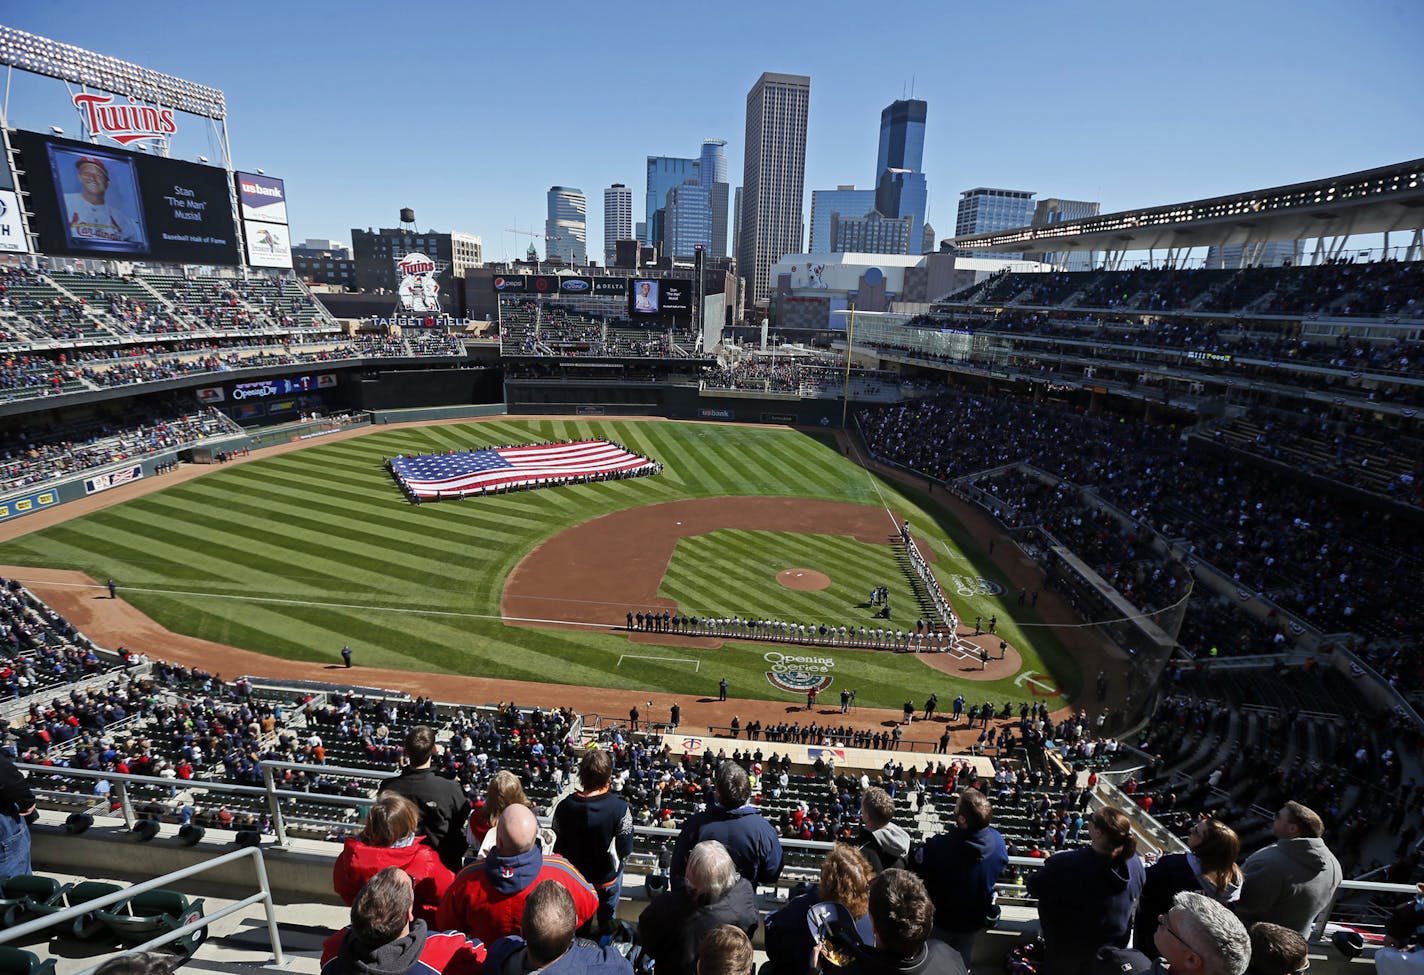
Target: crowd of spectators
<point>538,328</point>
<point>1320,555</point>
<point>808,376</point>
<point>108,323</point>
<point>1342,287</point>
<point>32,457</point>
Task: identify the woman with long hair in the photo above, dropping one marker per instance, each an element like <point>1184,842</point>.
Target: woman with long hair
<point>390,839</point>
<point>1086,896</point>
<point>845,878</point>
<point>1208,868</point>
<point>504,790</point>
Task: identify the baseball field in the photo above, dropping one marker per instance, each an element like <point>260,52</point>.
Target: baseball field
<point>300,554</point>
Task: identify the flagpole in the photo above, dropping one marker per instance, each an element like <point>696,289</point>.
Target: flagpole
<point>845,389</point>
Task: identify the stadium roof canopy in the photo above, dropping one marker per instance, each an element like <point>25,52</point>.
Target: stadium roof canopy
<point>1373,201</point>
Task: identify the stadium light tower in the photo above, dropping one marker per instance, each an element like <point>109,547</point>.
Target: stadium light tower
<point>88,70</point>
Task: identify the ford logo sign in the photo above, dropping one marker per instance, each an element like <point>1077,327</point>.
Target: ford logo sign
<point>574,285</point>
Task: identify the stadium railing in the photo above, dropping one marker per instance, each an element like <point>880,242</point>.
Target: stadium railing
<point>263,897</point>
<point>1356,904</point>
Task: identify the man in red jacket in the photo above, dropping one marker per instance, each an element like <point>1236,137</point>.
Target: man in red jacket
<point>486,901</point>
<point>384,938</point>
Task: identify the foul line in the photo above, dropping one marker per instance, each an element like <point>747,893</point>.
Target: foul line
<point>332,605</point>
<point>697,668</point>
<point>870,476</point>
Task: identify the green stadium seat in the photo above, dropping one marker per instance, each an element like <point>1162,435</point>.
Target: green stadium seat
<point>18,961</point>
<point>87,927</point>
<point>150,914</point>
<point>29,896</point>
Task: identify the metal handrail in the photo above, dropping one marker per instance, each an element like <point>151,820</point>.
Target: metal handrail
<point>264,896</point>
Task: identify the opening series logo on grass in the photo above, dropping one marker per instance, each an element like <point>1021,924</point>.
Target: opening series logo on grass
<point>796,674</point>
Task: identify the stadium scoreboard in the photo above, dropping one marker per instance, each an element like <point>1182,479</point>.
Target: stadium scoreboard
<point>93,201</point>
<point>645,297</point>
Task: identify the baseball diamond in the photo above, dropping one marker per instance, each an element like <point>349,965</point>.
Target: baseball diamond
<point>299,554</point>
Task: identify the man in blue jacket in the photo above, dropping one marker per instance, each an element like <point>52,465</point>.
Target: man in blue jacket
<point>960,868</point>
<point>594,830</point>
<point>738,825</point>
<point>547,943</point>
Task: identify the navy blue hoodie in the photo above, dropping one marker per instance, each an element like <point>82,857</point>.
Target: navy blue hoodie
<point>960,868</point>
<point>1085,901</point>
<point>751,841</point>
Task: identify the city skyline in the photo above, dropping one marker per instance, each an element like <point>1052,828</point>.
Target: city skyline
<point>359,129</point>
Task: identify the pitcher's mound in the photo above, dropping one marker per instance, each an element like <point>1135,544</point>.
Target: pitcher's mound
<point>804,579</point>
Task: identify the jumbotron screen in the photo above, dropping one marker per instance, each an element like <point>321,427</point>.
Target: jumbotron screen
<point>659,296</point>
<point>93,201</point>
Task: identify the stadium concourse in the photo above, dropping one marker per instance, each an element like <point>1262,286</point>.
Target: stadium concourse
<point>113,623</point>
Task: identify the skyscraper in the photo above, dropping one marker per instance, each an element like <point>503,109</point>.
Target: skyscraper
<point>773,177</point>
<point>712,173</point>
<point>983,210</point>
<point>687,221</point>
<point>617,219</point>
<point>845,201</point>
<point>566,226</point>
<point>902,193</point>
<point>902,136</point>
<point>664,172</point>
<point>873,233</point>
<point>900,188</point>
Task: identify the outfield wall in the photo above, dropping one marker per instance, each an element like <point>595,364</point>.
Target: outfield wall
<point>402,389</point>
<point>431,414</point>
<point>676,402</point>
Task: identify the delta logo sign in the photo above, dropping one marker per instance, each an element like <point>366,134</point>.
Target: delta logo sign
<point>125,123</point>
<point>796,674</point>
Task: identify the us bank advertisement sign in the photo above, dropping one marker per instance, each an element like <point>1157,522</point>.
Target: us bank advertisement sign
<point>263,198</point>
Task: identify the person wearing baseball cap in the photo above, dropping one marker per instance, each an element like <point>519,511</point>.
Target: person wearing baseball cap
<point>90,218</point>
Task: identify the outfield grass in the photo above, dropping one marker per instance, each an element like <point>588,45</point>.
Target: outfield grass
<point>299,554</point>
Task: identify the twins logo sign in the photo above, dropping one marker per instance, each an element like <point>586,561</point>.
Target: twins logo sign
<point>796,674</point>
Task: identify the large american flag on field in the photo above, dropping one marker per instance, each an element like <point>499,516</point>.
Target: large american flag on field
<point>472,471</point>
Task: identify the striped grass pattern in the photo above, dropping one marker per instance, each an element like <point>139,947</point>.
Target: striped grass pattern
<point>299,554</point>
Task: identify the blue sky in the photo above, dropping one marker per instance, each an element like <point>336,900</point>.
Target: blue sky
<point>470,112</point>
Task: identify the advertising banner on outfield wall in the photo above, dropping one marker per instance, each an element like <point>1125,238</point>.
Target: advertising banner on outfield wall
<point>575,285</point>
<point>512,283</point>
<point>93,485</point>
<point>16,507</point>
<point>611,287</point>
<point>708,413</point>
